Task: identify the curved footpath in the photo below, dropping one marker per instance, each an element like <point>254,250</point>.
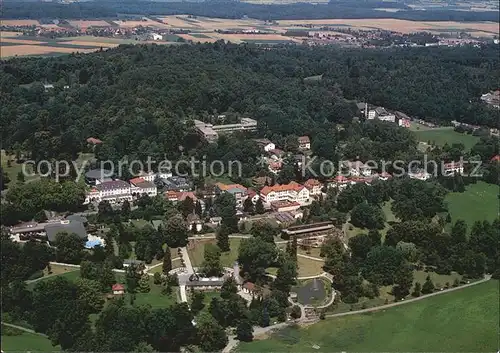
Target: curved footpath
<point>262,330</point>
<point>24,329</point>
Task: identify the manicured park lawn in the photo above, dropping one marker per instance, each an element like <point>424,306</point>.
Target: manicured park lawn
<point>197,252</point>
<point>27,342</point>
<point>14,168</point>
<point>442,136</point>
<point>462,321</point>
<point>479,202</point>
<point>308,267</point>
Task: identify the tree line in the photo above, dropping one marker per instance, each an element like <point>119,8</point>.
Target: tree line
<point>236,10</point>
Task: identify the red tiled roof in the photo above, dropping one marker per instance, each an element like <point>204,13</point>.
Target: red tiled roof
<point>181,196</point>
<point>310,183</point>
<point>304,139</point>
<point>225,187</point>
<point>171,195</point>
<point>341,179</point>
<point>453,165</point>
<point>291,186</point>
<point>136,181</point>
<point>93,140</point>
<point>496,158</point>
<point>249,285</point>
<point>117,287</point>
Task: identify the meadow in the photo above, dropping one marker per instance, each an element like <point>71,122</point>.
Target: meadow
<point>479,202</point>
<point>461,321</point>
<point>196,253</point>
<point>442,136</point>
<point>27,342</point>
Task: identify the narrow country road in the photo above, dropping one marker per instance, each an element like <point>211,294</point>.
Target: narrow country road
<point>382,307</point>
<point>24,329</point>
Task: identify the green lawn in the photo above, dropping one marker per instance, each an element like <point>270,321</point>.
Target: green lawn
<point>461,321</point>
<point>227,258</point>
<point>71,276</point>
<point>479,202</point>
<point>14,168</point>
<point>27,342</point>
<point>441,136</point>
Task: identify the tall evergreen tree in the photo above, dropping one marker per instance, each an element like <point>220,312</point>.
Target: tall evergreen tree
<point>223,238</point>
<point>167,262</point>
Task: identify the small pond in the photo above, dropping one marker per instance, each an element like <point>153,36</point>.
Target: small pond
<point>311,292</point>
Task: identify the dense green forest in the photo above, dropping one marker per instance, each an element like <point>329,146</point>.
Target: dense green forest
<point>138,98</point>
<point>234,9</point>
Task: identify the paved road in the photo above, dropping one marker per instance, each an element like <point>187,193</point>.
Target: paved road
<point>382,307</point>
<point>212,236</point>
<point>24,329</point>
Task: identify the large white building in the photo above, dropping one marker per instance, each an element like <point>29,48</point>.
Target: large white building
<point>293,192</point>
<point>211,132</point>
<point>117,191</point>
<point>139,186</point>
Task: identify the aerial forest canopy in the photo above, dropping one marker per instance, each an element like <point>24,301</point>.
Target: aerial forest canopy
<point>235,9</point>
<point>140,98</point>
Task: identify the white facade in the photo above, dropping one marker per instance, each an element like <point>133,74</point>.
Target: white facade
<point>269,147</point>
<point>157,36</point>
<point>453,168</point>
<point>372,114</point>
<point>291,192</point>
<point>150,176</point>
<point>150,191</point>
<point>420,175</point>
<point>390,117</point>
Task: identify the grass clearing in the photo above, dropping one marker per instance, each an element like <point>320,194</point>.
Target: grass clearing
<point>461,321</point>
<point>308,267</point>
<point>479,202</point>
<point>442,136</point>
<point>26,342</point>
<point>14,168</point>
<point>196,252</point>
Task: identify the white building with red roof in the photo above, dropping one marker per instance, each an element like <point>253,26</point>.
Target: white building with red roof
<point>238,191</point>
<point>118,289</point>
<point>453,168</point>
<point>293,192</point>
<point>314,186</point>
<point>139,187</point>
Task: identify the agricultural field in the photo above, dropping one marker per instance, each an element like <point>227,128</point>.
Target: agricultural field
<point>465,320</point>
<point>479,202</point>
<point>485,29</point>
<point>13,44</point>
<point>207,30</point>
<point>442,136</point>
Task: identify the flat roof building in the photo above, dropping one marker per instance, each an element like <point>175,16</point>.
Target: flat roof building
<point>211,132</point>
